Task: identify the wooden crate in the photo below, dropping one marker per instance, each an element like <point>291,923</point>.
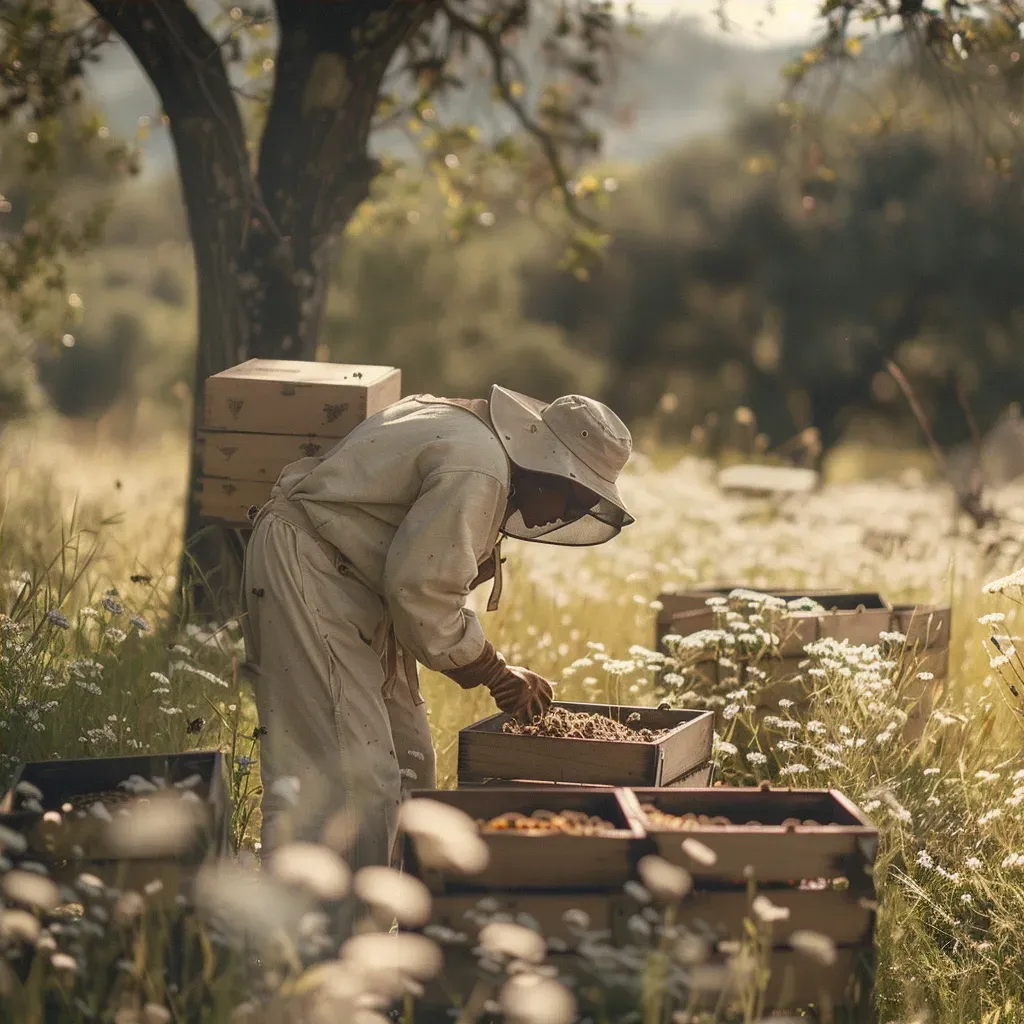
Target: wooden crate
<point>257,457</point>
<point>782,861</point>
<point>487,753</point>
<point>264,414</point>
<point>858,617</point>
<point>717,909</point>
<point>230,501</point>
<point>539,863</point>
<point>62,780</point>
<point>842,845</point>
<point>283,396</point>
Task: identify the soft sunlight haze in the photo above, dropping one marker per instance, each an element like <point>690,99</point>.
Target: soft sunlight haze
<point>754,22</point>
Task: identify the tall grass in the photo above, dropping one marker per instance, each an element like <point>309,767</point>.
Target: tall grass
<point>93,662</point>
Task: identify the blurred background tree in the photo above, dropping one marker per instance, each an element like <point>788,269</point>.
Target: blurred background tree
<point>773,259</point>
<point>271,109</point>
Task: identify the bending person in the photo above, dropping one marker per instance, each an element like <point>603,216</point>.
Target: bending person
<point>359,567</point>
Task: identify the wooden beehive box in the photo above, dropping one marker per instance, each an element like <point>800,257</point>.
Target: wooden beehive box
<point>263,414</point>
<point>718,908</point>
<point>528,862</point>
<point>79,843</point>
<point>858,617</point>
<point>794,865</point>
<point>487,754</point>
<point>841,843</point>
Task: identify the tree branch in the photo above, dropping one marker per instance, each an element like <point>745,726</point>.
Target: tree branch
<point>499,59</point>
<point>970,501</point>
<point>176,54</point>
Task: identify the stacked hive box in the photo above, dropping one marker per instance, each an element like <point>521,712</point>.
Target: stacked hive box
<point>784,843</point>
<point>263,414</point>
<point>858,618</point>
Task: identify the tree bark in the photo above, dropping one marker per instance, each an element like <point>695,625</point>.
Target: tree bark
<point>314,166</point>
<point>215,184</point>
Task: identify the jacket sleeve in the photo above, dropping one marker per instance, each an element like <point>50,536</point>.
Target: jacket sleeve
<point>433,560</point>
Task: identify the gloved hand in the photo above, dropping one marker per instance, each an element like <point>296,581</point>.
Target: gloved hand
<point>522,693</point>
<point>516,691</point>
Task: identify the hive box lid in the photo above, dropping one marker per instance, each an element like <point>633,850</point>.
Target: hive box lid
<point>284,370</point>
<point>283,396</point>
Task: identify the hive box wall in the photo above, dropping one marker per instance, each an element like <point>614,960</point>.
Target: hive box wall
<point>281,396</point>
<point>487,752</point>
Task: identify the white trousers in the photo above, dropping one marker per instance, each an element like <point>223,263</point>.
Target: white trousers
<point>349,726</point>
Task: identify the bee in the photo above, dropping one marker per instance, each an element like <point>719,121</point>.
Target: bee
<point>140,578</point>
<point>193,727</point>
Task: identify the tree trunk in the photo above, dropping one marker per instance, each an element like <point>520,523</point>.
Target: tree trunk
<point>215,184</point>
<point>314,172</point>
<point>262,245</point>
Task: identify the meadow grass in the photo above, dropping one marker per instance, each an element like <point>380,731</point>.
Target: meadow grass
<point>93,661</point>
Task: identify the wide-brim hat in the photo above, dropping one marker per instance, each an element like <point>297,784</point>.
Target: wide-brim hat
<point>575,438</point>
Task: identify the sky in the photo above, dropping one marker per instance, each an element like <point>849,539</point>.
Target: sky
<point>756,22</point>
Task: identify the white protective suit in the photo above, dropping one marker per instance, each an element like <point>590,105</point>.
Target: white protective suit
<point>359,567</point>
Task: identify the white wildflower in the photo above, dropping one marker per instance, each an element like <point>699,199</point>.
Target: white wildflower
<point>767,911</point>
<point>664,880</point>
<point>815,946</point>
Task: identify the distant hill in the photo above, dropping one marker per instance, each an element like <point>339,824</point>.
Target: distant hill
<point>678,83</point>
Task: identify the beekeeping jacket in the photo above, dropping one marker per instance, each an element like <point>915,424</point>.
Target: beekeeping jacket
<point>402,517</point>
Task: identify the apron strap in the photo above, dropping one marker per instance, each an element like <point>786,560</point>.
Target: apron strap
<point>495,598</point>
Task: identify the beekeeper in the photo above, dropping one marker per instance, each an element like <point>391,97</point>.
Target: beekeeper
<point>359,567</point>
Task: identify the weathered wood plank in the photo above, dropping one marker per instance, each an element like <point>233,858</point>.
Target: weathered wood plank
<point>256,457</point>
<point>230,500</point>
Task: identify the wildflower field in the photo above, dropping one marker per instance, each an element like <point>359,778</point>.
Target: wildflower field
<point>93,662</point>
